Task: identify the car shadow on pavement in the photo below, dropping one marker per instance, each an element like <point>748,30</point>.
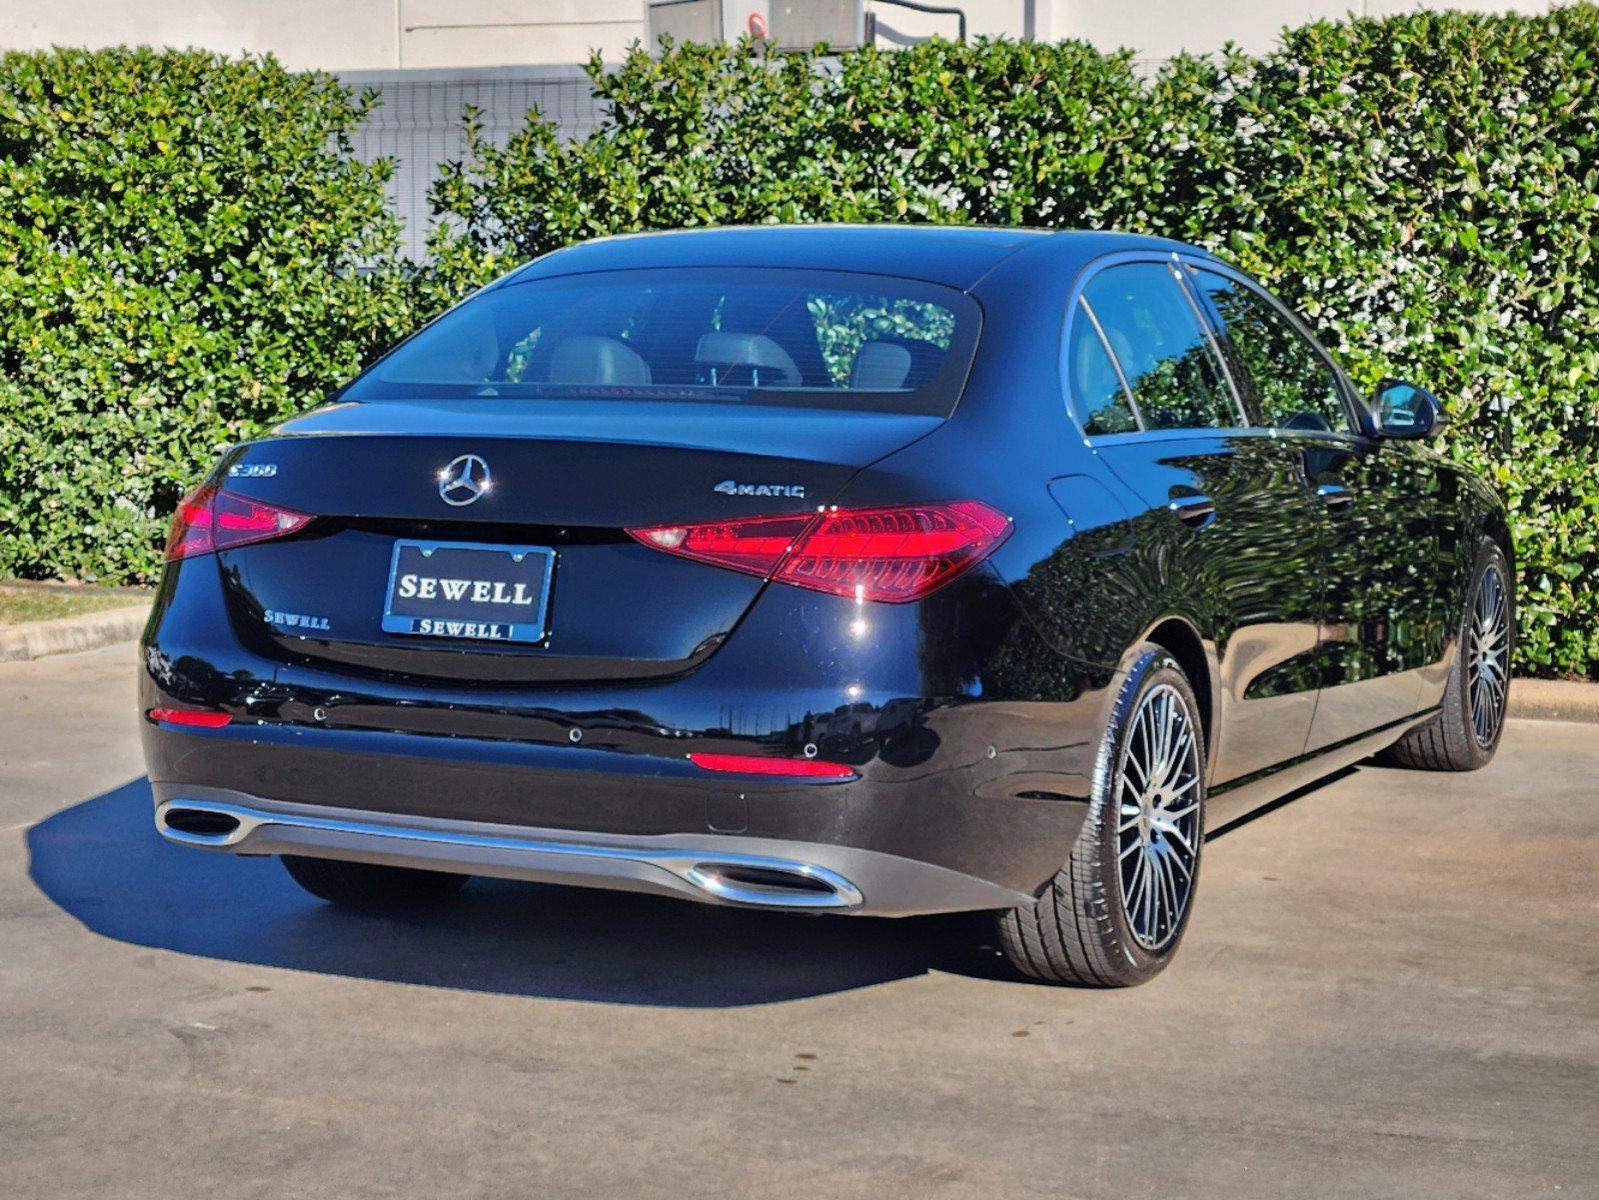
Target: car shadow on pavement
<point>103,863</point>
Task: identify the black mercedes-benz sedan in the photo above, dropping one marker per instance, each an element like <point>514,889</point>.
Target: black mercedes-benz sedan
<point>835,569</point>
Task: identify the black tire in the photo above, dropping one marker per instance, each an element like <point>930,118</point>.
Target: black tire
<point>1080,930</point>
<point>1451,741</point>
<point>370,887</point>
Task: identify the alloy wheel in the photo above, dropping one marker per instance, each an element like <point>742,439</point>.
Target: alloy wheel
<point>1157,832</point>
<point>1488,656</point>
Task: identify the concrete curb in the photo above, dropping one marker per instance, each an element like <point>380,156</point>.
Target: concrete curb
<point>1554,700</point>
<point>63,635</point>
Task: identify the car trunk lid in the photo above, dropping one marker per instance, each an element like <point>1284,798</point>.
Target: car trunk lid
<point>567,478</point>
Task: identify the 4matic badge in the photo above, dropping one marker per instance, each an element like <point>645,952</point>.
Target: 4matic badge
<point>731,487</point>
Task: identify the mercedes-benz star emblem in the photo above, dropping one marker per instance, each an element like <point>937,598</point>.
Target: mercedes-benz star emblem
<point>464,480</point>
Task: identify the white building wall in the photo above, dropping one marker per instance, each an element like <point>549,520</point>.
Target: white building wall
<point>303,33</point>
<point>339,35</point>
<point>353,35</point>
<point>1161,28</point>
<point>453,33</point>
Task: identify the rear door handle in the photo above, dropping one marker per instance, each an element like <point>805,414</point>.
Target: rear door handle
<point>1195,511</point>
<point>1335,495</point>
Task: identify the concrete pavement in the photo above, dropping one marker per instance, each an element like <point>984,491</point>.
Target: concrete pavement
<point>1390,987</point>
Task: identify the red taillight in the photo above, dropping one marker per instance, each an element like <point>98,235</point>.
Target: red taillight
<point>190,531</point>
<point>895,554</point>
<point>209,519</point>
<point>188,716</point>
<point>754,546</point>
<point>749,764</point>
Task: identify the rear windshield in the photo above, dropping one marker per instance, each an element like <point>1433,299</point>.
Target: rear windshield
<point>797,338</point>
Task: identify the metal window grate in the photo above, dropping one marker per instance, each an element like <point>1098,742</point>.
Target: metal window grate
<point>418,123</point>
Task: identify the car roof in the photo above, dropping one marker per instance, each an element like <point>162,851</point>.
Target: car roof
<point>953,255</point>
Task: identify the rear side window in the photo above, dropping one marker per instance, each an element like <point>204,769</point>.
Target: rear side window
<point>1102,400</point>
<point>797,338</point>
<point>1165,354</point>
<point>1291,383</point>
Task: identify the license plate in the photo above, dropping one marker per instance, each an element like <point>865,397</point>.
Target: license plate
<point>458,590</point>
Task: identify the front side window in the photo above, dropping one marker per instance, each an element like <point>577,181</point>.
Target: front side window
<point>1291,384</point>
<point>1165,354</point>
<point>799,338</point>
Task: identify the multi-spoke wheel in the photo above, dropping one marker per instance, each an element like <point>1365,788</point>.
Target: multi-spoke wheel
<point>1113,916</point>
<point>1465,733</point>
<point>1158,832</point>
<point>1488,656</point>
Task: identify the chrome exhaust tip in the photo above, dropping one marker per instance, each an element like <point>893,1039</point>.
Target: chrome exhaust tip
<point>774,884</point>
<point>201,824</point>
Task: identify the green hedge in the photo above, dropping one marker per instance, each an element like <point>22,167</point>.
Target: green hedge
<point>179,243</point>
<point>178,233</point>
<point>1424,188</point>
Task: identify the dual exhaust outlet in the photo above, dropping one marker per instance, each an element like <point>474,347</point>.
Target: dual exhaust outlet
<point>749,880</point>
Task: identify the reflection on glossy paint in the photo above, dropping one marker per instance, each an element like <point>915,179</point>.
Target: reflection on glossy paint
<point>970,716</point>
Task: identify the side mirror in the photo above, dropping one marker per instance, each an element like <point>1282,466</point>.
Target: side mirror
<point>1404,410</point>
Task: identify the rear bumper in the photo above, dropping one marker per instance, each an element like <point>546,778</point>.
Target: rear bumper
<point>973,748</point>
<point>948,836</point>
<point>739,871</point>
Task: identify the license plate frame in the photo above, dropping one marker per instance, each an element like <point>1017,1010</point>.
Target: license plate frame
<point>503,624</point>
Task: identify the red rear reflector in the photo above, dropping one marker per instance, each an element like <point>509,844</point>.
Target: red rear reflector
<point>749,764</point>
<point>896,554</point>
<point>187,716</point>
<point>210,519</point>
